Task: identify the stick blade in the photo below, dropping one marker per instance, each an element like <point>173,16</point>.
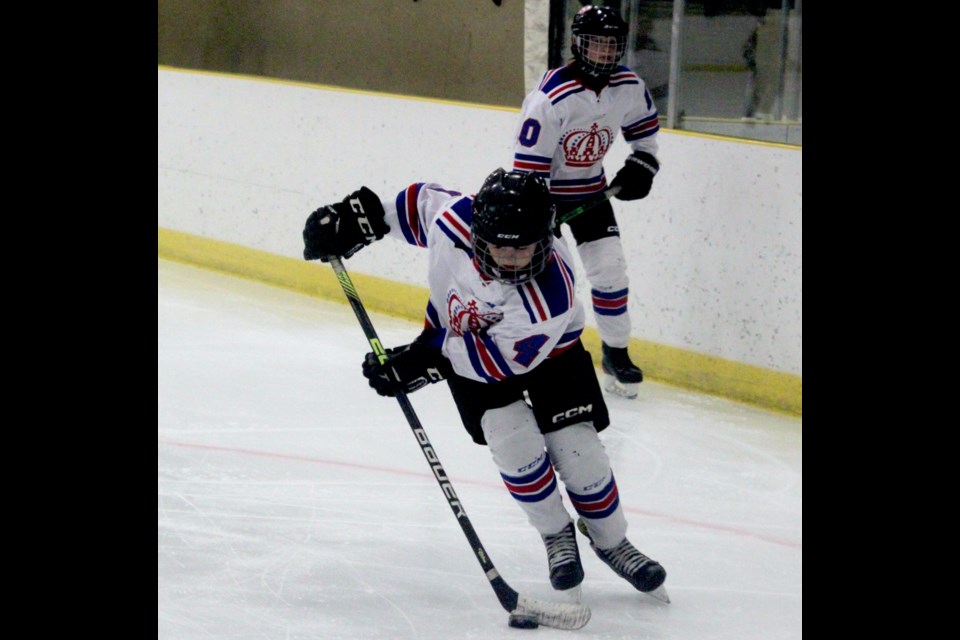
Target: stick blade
<point>557,615</point>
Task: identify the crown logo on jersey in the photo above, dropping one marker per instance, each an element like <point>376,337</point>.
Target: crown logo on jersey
<point>466,316</point>
<point>583,148</point>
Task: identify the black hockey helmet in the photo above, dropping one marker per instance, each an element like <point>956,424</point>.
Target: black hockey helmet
<point>512,209</point>
<point>593,22</point>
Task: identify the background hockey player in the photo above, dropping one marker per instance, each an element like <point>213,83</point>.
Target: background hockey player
<point>502,321</point>
<point>566,127</point>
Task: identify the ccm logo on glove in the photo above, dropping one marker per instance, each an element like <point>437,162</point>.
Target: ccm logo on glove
<point>365,227</point>
<point>344,228</point>
<point>406,368</point>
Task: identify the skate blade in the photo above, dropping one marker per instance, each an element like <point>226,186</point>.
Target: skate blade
<point>571,595</point>
<point>624,390</point>
<point>660,593</point>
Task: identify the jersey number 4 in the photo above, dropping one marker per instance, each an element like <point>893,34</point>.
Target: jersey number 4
<point>528,349</point>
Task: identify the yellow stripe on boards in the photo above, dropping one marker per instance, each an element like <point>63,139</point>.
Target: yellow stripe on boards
<point>707,374</point>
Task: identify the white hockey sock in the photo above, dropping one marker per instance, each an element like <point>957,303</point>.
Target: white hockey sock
<point>517,447</point>
<point>583,466</point>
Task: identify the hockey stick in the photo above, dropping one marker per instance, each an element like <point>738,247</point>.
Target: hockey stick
<point>606,195</point>
<point>549,614</point>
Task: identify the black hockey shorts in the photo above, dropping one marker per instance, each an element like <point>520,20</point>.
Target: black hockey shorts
<point>562,391</point>
<point>594,224</point>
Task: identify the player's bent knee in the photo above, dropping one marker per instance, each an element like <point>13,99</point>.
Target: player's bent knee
<point>604,262</point>
<point>506,423</point>
<point>578,456</point>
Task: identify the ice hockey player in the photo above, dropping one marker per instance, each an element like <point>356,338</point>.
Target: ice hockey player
<point>566,127</point>
<point>503,328</point>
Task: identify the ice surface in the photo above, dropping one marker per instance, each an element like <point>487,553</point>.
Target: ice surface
<point>294,503</point>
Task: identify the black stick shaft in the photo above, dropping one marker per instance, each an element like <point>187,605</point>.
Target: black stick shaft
<point>606,195</point>
<point>507,596</point>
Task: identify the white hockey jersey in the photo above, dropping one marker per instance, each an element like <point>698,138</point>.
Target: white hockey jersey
<point>565,129</point>
<point>488,330</point>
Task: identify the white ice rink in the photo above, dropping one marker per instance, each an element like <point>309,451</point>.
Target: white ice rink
<point>294,503</point>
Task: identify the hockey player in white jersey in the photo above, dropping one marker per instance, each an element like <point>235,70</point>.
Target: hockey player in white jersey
<point>503,328</point>
<point>567,125</point>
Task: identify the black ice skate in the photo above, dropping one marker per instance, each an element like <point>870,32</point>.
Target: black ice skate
<point>563,555</point>
<point>645,574</point>
<point>622,375</point>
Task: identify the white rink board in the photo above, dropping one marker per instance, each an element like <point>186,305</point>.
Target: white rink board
<point>715,252</point>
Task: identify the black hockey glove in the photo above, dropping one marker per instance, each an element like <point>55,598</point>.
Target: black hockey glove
<point>344,228</point>
<point>636,176</point>
<point>407,368</point>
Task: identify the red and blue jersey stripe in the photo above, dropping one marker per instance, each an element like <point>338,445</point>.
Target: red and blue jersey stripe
<point>560,83</point>
<point>579,189</point>
<point>455,223</point>
<point>566,341</point>
<point>485,357</point>
<point>533,164</point>
<point>642,128</point>
<point>623,76</point>
<point>551,293</point>
<point>409,215</point>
